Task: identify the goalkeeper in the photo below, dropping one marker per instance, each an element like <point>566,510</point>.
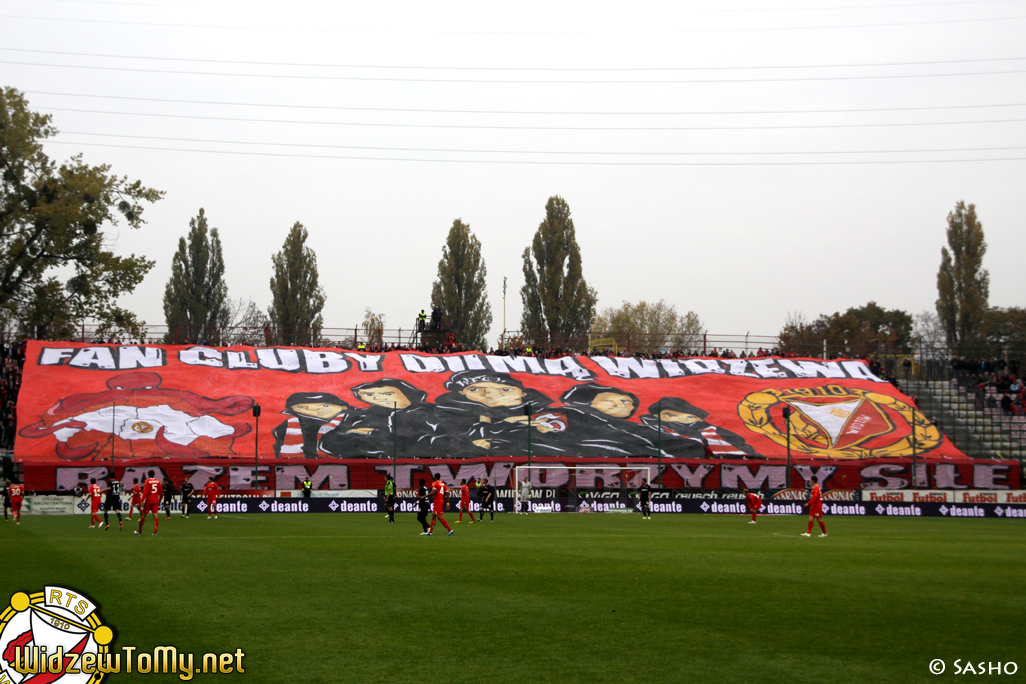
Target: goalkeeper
<point>525,496</point>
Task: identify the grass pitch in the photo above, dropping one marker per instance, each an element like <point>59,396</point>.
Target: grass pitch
<point>547,598</point>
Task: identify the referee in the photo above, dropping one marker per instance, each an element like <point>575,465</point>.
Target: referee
<point>390,499</point>
<point>186,490</point>
<point>113,501</point>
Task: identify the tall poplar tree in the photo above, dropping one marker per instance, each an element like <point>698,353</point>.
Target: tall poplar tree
<point>196,304</point>
<point>558,303</point>
<point>460,289</point>
<point>963,285</point>
<point>296,297</point>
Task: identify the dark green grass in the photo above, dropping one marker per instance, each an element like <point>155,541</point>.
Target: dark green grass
<point>560,598</point>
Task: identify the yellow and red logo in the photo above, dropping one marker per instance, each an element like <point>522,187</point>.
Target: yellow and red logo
<point>54,635</point>
<point>833,421</point>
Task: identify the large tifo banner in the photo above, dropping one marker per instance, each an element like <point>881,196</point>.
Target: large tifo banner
<point>338,413</point>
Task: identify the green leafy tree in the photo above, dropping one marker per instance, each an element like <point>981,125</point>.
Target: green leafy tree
<point>460,289</point>
<point>296,297</point>
<point>57,267</point>
<point>559,306</point>
<point>963,285</point>
<point>857,332</point>
<point>196,304</point>
<point>649,327</point>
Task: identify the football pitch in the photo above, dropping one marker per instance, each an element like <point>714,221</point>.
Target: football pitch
<point>546,598</point>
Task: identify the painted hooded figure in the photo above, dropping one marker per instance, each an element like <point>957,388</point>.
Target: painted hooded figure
<point>312,415</point>
<point>398,419</point>
<point>494,408</point>
<point>609,431</point>
<point>143,420</point>
<point>687,423</point>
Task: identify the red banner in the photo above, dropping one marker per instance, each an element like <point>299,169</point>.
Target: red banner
<point>86,403</point>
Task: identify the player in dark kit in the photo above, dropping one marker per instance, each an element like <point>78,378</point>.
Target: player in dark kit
<point>645,497</point>
<point>487,494</point>
<point>815,504</point>
<point>186,491</point>
<point>423,507</point>
<point>754,504</point>
<point>113,502</point>
<point>169,496</point>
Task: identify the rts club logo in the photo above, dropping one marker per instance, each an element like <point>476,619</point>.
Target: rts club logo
<point>833,421</point>
<point>53,636</point>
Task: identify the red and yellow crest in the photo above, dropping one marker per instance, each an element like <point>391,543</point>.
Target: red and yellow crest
<point>832,421</point>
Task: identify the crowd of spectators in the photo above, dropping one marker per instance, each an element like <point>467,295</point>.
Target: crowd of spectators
<point>1007,392</point>
<point>12,359</point>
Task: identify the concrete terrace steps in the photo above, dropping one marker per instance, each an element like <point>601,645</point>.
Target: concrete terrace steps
<point>971,429</point>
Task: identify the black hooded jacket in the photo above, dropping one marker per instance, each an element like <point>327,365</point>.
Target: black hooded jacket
<point>422,429</point>
<point>682,436</point>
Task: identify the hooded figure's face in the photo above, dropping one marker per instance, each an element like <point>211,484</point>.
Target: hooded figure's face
<point>388,397</point>
<point>678,417</point>
<point>494,394</point>
<point>322,411</point>
<point>613,404</point>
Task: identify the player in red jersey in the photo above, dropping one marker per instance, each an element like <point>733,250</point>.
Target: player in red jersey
<point>152,493</point>
<point>754,504</point>
<point>16,492</point>
<point>211,491</point>
<point>136,498</point>
<point>815,504</point>
<point>465,502</point>
<point>438,511</point>
<point>95,499</point>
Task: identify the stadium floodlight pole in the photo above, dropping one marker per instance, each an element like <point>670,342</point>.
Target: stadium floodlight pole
<point>913,478</point>
<point>659,442</point>
<point>787,423</point>
<point>256,448</point>
<point>395,435</point>
<point>113,422</point>
<point>527,409</point>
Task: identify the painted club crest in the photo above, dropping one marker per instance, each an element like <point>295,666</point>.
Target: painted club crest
<point>839,422</point>
<point>58,625</point>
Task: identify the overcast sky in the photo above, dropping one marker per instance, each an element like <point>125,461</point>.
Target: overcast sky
<point>712,154</point>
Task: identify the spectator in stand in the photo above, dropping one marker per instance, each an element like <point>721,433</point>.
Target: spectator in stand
<point>1006,404</point>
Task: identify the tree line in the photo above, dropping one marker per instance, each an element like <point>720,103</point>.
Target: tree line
<point>962,324</point>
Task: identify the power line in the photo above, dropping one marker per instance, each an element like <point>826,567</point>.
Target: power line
<point>530,112</point>
<point>761,67</point>
<point>537,128</point>
<point>393,79</point>
<point>691,11</point>
<point>319,29</point>
<point>559,152</point>
<point>542,162</point>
